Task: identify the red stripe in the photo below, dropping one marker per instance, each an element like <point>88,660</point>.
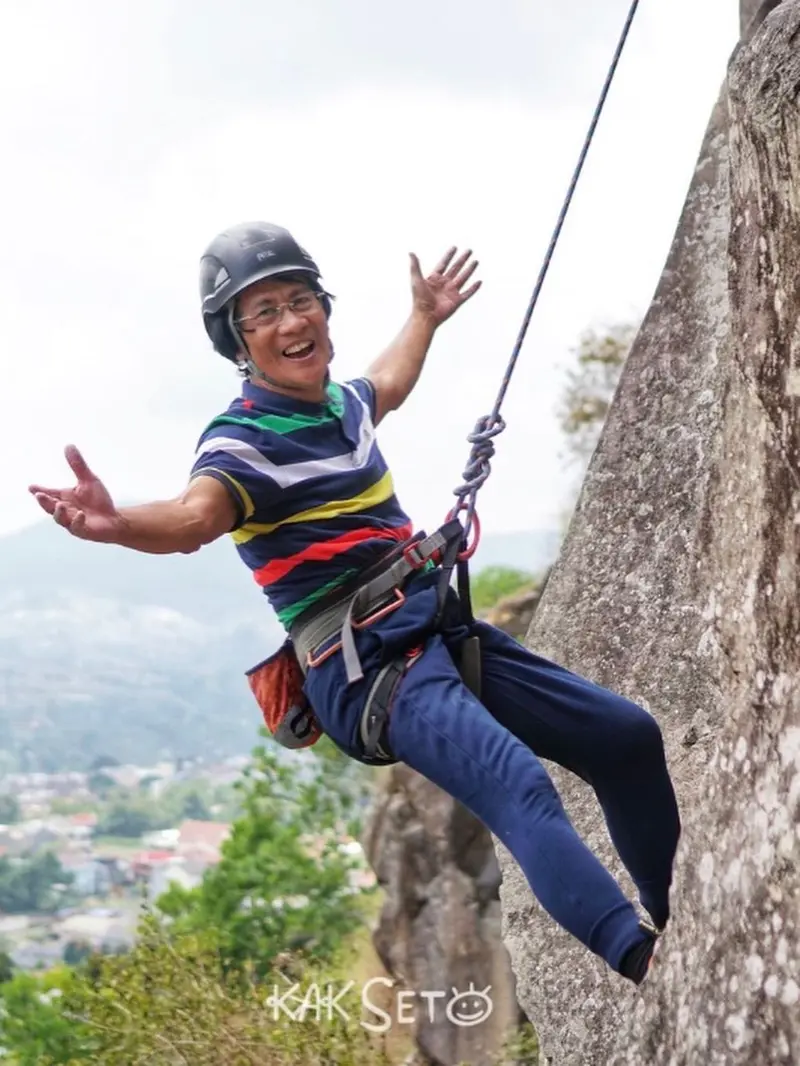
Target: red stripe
<point>325,550</point>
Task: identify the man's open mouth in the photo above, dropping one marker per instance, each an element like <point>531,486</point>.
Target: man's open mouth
<point>298,352</point>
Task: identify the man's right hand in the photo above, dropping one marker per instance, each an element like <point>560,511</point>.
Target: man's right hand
<point>86,510</point>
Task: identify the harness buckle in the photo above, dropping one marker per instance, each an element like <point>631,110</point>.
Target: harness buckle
<point>361,623</point>
<point>412,555</point>
<point>381,612</point>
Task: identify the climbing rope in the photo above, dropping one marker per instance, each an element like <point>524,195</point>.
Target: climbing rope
<point>489,426</point>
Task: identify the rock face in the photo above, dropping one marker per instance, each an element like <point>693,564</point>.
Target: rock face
<point>440,928</point>
<point>678,586</point>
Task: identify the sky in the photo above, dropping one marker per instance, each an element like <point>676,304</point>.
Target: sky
<point>135,131</point>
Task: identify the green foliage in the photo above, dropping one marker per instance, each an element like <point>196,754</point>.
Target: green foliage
<point>600,358</point>
<point>35,1029</point>
<point>194,806</point>
<point>269,891</point>
<point>76,951</point>
<point>100,762</point>
<point>521,1049</point>
<point>9,809</point>
<point>170,1000</point>
<point>127,816</point>
<point>63,806</point>
<point>6,967</point>
<point>101,784</point>
<point>492,584</point>
<point>28,885</point>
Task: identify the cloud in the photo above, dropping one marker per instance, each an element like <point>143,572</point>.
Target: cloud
<point>107,213</point>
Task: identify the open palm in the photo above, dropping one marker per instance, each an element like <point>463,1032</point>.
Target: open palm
<point>442,292</point>
<point>86,509</point>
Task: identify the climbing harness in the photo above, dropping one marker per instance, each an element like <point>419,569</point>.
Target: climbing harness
<point>329,626</point>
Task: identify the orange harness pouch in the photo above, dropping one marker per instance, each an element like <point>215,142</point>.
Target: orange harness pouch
<point>277,684</point>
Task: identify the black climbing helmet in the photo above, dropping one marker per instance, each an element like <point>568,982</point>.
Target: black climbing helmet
<point>237,258</point>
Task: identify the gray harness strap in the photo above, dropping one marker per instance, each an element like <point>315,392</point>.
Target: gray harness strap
<point>378,595</point>
<point>372,600</point>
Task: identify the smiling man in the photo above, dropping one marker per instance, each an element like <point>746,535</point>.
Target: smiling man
<point>380,651</point>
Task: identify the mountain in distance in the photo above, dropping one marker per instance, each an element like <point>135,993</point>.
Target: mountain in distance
<point>105,651</point>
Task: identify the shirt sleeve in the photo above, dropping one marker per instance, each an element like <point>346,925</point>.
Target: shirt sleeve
<point>235,464</point>
<point>366,391</point>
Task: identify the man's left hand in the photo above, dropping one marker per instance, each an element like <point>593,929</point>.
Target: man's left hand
<point>442,292</point>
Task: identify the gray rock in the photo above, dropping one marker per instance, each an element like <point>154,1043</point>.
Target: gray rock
<point>440,927</point>
<point>678,586</point>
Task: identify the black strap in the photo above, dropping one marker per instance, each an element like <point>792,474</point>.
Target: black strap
<point>377,709</point>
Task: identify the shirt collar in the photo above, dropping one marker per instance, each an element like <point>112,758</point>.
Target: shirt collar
<point>266,399</point>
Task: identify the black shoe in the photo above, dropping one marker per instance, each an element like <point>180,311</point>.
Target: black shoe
<point>637,962</point>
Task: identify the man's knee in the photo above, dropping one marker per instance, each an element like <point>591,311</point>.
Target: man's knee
<point>637,734</point>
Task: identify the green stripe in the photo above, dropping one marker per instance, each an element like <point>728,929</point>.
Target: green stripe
<point>277,423</point>
<point>288,614</point>
<point>284,424</point>
<point>336,399</point>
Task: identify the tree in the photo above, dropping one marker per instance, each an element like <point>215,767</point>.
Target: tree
<point>126,818</point>
<point>34,1028</point>
<point>101,784</point>
<point>28,885</point>
<point>100,762</point>
<point>76,951</point>
<point>9,809</point>
<point>194,806</point>
<point>494,582</point>
<point>591,384</point>
<point>282,877</point>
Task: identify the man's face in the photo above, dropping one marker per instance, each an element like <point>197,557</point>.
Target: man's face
<point>293,348</point>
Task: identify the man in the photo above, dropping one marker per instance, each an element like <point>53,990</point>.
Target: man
<point>376,639</point>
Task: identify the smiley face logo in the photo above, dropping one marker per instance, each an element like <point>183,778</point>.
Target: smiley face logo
<point>469,1008</point>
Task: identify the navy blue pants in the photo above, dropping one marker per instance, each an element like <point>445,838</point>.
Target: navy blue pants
<point>486,755</point>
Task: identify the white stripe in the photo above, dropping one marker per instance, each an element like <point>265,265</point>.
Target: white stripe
<point>294,473</point>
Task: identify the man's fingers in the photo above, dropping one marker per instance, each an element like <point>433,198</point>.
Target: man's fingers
<point>465,275</point>
<point>470,291</point>
<point>459,263</point>
<point>36,490</point>
<point>59,513</point>
<point>416,270</point>
<point>77,463</point>
<point>441,266</point>
<point>46,501</point>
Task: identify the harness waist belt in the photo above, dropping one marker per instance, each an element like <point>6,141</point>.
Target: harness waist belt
<point>377,592</point>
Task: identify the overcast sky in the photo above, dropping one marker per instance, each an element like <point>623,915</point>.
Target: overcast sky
<point>134,131</point>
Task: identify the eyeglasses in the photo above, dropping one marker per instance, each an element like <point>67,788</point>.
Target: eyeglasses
<point>269,316</point>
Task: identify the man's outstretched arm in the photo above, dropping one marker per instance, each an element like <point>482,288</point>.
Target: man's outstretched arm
<point>434,299</point>
<point>201,514</point>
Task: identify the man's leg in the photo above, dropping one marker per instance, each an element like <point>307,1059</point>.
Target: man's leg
<point>607,740</point>
<point>438,728</point>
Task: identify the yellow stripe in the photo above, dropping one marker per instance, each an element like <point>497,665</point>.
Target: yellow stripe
<point>249,509</point>
<point>380,492</point>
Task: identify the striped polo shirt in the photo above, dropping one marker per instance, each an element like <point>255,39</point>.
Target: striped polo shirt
<point>315,498</point>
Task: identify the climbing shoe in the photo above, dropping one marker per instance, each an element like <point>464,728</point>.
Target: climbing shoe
<point>636,963</point>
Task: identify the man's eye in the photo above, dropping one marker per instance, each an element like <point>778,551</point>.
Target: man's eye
<point>267,314</point>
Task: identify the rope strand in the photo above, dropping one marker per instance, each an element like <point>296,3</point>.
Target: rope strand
<point>489,426</point>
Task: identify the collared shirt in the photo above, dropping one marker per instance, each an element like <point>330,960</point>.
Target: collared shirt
<point>314,496</point>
